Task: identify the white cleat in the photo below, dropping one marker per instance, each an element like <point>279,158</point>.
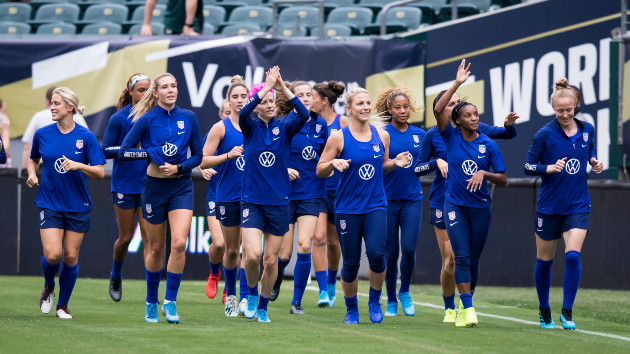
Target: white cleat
<point>46,299</point>
<point>231,307</point>
<point>62,312</point>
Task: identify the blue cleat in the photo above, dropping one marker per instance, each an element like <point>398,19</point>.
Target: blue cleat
<point>170,311</point>
<point>352,316</point>
<point>261,316</point>
<point>546,319</point>
<point>252,304</point>
<point>392,309</point>
<point>151,313</point>
<point>332,294</point>
<point>376,314</point>
<point>567,319</point>
<point>407,304</point>
<point>324,300</point>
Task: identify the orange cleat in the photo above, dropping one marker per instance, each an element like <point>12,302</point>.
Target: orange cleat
<point>212,285</point>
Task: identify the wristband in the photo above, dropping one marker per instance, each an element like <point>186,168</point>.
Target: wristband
<point>179,169</point>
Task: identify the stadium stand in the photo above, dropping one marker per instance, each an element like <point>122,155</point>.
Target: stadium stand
<point>15,12</point>
<point>355,17</point>
<point>306,16</point>
<point>291,31</point>
<point>57,12</point>
<point>9,28</point>
<point>56,29</point>
<point>208,29</point>
<point>398,19</point>
<point>102,29</point>
<point>240,29</point>
<point>213,15</point>
<point>158,29</point>
<point>258,15</point>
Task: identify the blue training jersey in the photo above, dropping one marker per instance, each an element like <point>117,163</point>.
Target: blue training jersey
<point>62,190</point>
<point>230,173</point>
<point>127,176</point>
<point>166,136</point>
<point>361,189</point>
<point>565,192</point>
<point>332,182</point>
<point>306,148</point>
<point>402,183</point>
<point>464,159</point>
<point>266,149</point>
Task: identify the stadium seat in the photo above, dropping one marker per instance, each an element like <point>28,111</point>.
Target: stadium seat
<point>240,29</point>
<point>354,16</point>
<point>157,16</point>
<point>14,28</point>
<point>400,18</point>
<point>15,12</point>
<point>115,13</point>
<point>57,29</point>
<point>332,30</point>
<point>463,10</point>
<point>158,29</point>
<point>260,15</point>
<point>208,29</point>
<point>291,31</point>
<point>102,29</point>
<point>98,2</point>
<point>60,12</point>
<point>307,16</point>
<point>374,5</point>
<point>329,5</point>
<point>214,15</point>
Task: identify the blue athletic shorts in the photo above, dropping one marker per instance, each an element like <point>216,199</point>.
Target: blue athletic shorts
<point>126,201</point>
<point>65,220</point>
<point>229,213</point>
<point>551,227</point>
<point>298,208</point>
<point>437,218</point>
<point>329,203</point>
<point>161,195</point>
<point>271,219</point>
<point>211,208</point>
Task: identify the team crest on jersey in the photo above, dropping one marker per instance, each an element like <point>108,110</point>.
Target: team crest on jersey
<point>318,128</point>
<point>180,124</point>
<point>376,147</point>
<point>148,208</point>
<point>211,205</point>
<point>438,213</point>
<point>451,215</point>
<point>222,209</point>
<point>342,224</point>
<point>41,215</point>
<point>415,138</point>
<point>276,131</point>
<point>540,222</point>
<point>79,144</point>
<point>585,136</point>
<point>120,196</point>
<point>482,149</point>
<point>245,213</point>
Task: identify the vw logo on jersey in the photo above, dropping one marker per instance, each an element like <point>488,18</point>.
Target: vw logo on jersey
<point>58,167</point>
<point>240,163</point>
<point>79,144</point>
<point>222,209</point>
<point>572,166</point>
<point>342,224</point>
<point>318,128</point>
<point>416,138</point>
<point>148,208</point>
<point>366,171</point>
<point>469,167</point>
<point>169,149</point>
<point>267,159</point>
<point>451,215</point>
<point>308,153</point>
<point>120,196</point>
<point>376,147</point>
<point>276,131</point>
<point>41,215</point>
<point>180,124</point>
<point>585,136</point>
<point>482,149</point>
<point>245,213</point>
<point>410,161</point>
<point>438,213</point>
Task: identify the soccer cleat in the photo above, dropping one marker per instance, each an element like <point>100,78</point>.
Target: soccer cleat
<point>296,309</point>
<point>115,288</point>
<point>546,319</point>
<point>170,311</point>
<point>460,321</point>
<point>471,317</point>
<point>392,309</point>
<point>352,316</point>
<point>212,285</point>
<point>450,316</point>
<point>332,295</point>
<point>252,303</point>
<point>276,290</point>
<point>376,314</point>
<point>567,319</point>
<point>242,306</point>
<point>224,296</point>
<point>324,300</point>
<point>63,312</point>
<point>261,316</point>
<point>231,307</point>
<point>151,313</point>
<point>46,299</point>
<point>407,304</point>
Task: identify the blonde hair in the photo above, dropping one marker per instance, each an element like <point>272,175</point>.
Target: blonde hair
<point>562,89</point>
<point>375,119</point>
<point>385,98</point>
<point>70,98</point>
<point>237,80</point>
<point>148,101</point>
<point>222,109</point>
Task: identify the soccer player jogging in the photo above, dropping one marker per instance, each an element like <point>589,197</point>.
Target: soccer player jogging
<point>307,194</point>
<point>326,242</point>
<point>165,131</point>
<point>63,199</point>
<point>360,152</point>
<point>559,154</point>
<point>266,186</point>
<point>224,149</point>
<point>404,196</point>
<point>127,177</point>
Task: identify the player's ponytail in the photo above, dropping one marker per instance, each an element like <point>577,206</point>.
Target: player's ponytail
<point>70,98</point>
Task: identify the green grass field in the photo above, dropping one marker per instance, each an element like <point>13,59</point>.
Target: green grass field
<point>101,325</point>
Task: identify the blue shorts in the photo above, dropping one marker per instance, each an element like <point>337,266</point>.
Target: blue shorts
<point>229,213</point>
<point>551,227</point>
<point>161,195</point>
<point>126,201</point>
<point>298,208</point>
<point>65,220</point>
<point>329,204</point>
<point>437,218</point>
<point>211,208</point>
<point>271,219</point>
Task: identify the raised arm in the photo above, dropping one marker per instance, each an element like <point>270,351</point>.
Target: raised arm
<point>463,72</point>
<point>245,121</point>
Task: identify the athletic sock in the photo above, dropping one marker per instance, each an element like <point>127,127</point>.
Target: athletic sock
<point>449,302</point>
<point>375,295</point>
<point>230,280</point>
<point>67,279</point>
<point>263,302</point>
<point>172,285</point>
<point>542,278</point>
<point>351,303</point>
<point>253,290</point>
<point>116,269</point>
<point>332,276</point>
<point>466,300</point>
<point>281,265</point>
<point>242,287</point>
<point>300,274</point>
<point>322,280</point>
<point>215,268</point>
<point>153,284</point>
<point>571,280</point>
<point>49,271</point>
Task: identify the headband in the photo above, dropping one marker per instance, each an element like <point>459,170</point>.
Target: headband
<point>134,79</point>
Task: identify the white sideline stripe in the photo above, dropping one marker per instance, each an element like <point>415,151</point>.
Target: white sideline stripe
<point>195,47</point>
<point>513,319</point>
<point>69,65</point>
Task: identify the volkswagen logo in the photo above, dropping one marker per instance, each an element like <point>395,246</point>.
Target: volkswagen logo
<point>366,171</point>
<point>169,149</point>
<point>58,167</point>
<point>572,166</point>
<point>240,163</point>
<point>410,161</point>
<point>469,167</point>
<point>308,153</point>
<point>267,159</point>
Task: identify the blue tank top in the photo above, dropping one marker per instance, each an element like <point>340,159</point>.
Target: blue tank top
<point>361,186</point>
<point>306,148</point>
<point>230,173</point>
<point>402,183</point>
<point>332,182</point>
<point>212,183</point>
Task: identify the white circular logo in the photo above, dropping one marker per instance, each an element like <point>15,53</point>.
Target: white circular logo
<point>572,166</point>
<point>267,159</point>
<point>211,205</point>
<point>58,167</point>
<point>366,171</point>
<point>469,167</point>
<point>308,153</point>
<point>410,161</point>
<point>240,163</point>
<point>169,149</point>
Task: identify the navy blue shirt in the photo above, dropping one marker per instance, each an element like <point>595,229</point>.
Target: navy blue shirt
<point>332,182</point>
<point>230,173</point>
<point>3,154</point>
<point>402,183</point>
<point>306,148</point>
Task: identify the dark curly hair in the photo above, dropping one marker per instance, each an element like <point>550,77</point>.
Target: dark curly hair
<point>457,108</point>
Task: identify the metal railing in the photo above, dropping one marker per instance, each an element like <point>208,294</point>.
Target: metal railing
<point>320,24</point>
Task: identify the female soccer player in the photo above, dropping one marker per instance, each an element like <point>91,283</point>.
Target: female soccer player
<point>324,97</point>
<point>404,196</point>
<point>470,155</point>
<point>224,148</point>
<point>63,199</point>
<point>166,132</point>
<point>127,177</point>
<point>266,185</point>
<point>559,154</point>
<point>360,152</point>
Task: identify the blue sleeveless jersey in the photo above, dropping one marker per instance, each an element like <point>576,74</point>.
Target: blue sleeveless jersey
<point>402,183</point>
<point>59,189</point>
<point>361,188</point>
<point>212,183</point>
<point>230,173</point>
<point>332,182</point>
<point>306,148</point>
